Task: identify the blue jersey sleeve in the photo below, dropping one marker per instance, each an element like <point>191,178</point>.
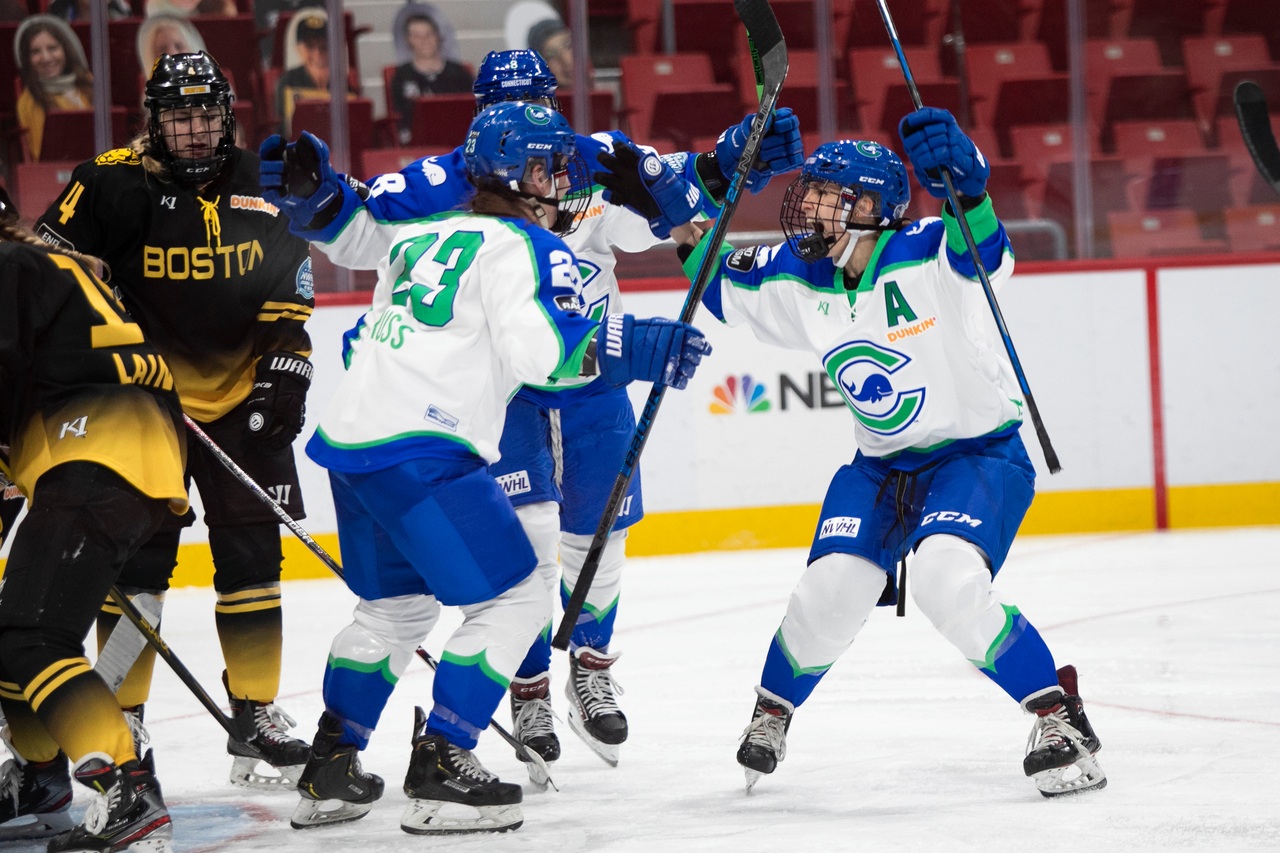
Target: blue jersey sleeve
<point>423,188</point>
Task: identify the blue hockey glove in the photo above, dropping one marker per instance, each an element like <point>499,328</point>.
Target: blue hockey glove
<point>665,352</point>
<point>298,178</point>
<point>781,149</point>
<point>645,184</point>
<point>932,140</point>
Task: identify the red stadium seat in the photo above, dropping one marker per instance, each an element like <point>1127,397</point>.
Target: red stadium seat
<point>68,134</point>
<point>801,91</point>
<point>442,120</point>
<point>1253,229</point>
<point>1110,184</point>
<point>990,65</point>
<point>313,114</point>
<point>1103,19</point>
<point>1157,138</point>
<point>1253,16</point>
<point>36,185</point>
<point>602,112</point>
<point>875,70</point>
<point>1168,22</point>
<point>1158,232</point>
<point>1216,63</point>
<point>227,40</point>
<point>675,96</point>
<point>1198,182</point>
<point>1157,95</point>
<point>921,27</point>
<point>1247,185</point>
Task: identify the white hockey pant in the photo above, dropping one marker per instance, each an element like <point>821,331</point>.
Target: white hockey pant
<point>829,606</point>
<point>607,584</point>
<point>502,628</point>
<point>541,523</point>
<point>388,629</point>
<point>952,586</point>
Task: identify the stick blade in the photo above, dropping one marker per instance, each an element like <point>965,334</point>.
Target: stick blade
<point>1255,127</point>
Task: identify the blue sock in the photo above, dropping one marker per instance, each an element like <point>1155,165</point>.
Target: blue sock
<point>538,660</point>
<point>1019,660</point>
<point>784,678</point>
<point>356,693</point>
<point>466,693</point>
<point>595,627</point>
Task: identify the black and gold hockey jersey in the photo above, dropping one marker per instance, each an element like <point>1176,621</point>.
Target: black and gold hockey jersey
<point>79,382</point>
<point>214,277</point>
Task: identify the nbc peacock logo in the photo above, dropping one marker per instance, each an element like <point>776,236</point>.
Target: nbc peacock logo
<point>739,394</point>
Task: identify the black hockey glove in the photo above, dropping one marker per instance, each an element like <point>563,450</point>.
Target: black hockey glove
<point>277,405</point>
<point>642,182</point>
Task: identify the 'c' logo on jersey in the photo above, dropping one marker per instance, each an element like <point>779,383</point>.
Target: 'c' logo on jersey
<point>863,371</point>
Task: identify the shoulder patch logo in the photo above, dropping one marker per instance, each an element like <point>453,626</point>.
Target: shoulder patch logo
<point>306,286</point>
<point>117,157</point>
<point>743,259</point>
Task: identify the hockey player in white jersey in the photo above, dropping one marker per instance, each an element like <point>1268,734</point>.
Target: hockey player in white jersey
<point>469,306</point>
<point>900,322</point>
<point>560,452</point>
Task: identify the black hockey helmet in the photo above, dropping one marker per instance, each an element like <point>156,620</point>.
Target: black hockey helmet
<point>190,82</point>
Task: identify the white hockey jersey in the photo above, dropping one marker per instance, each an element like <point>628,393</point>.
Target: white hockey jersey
<point>466,310</point>
<point>913,348</point>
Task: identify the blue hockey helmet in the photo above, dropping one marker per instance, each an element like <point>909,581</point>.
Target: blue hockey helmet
<point>852,169</point>
<point>514,75</point>
<point>507,140</point>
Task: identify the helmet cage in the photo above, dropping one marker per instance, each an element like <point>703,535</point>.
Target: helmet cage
<point>853,169</point>
<point>193,84</point>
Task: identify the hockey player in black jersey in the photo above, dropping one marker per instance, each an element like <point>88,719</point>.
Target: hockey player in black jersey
<point>222,289</point>
<point>95,441</point>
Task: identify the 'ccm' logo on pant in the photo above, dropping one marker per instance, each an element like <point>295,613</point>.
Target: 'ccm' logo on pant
<point>948,515</point>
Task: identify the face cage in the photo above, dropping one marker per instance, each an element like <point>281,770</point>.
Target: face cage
<point>571,172</point>
<point>187,169</point>
<point>805,236</point>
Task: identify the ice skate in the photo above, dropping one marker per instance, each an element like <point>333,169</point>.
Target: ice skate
<point>35,798</point>
<point>594,715</point>
<point>450,791</point>
<point>128,813</point>
<point>764,740</point>
<point>1062,745</point>
<point>262,730</point>
<point>533,723</point>
<point>334,787</point>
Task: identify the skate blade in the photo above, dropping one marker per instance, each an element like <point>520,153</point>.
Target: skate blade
<point>753,776</point>
<point>607,751</point>
<point>36,826</point>
<point>434,817</point>
<point>540,773</point>
<point>312,813</point>
<point>255,773</point>
<point>1084,775</point>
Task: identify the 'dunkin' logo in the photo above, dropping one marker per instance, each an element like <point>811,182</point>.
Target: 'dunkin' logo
<point>739,394</point>
<point>864,372</point>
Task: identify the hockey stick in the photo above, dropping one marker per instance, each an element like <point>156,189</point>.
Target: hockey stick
<point>336,568</point>
<point>1050,455</point>
<point>769,56</point>
<point>179,669</point>
<point>126,642</point>
<point>1255,127</point>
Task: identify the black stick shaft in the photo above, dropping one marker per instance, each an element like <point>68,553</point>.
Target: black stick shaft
<point>1050,455</point>
<point>179,668</point>
<point>769,52</point>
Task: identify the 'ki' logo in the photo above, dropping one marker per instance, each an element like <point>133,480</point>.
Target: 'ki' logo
<point>76,427</point>
<point>168,201</point>
<point>863,370</point>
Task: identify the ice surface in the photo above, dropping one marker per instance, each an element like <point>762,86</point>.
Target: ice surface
<point>904,746</point>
